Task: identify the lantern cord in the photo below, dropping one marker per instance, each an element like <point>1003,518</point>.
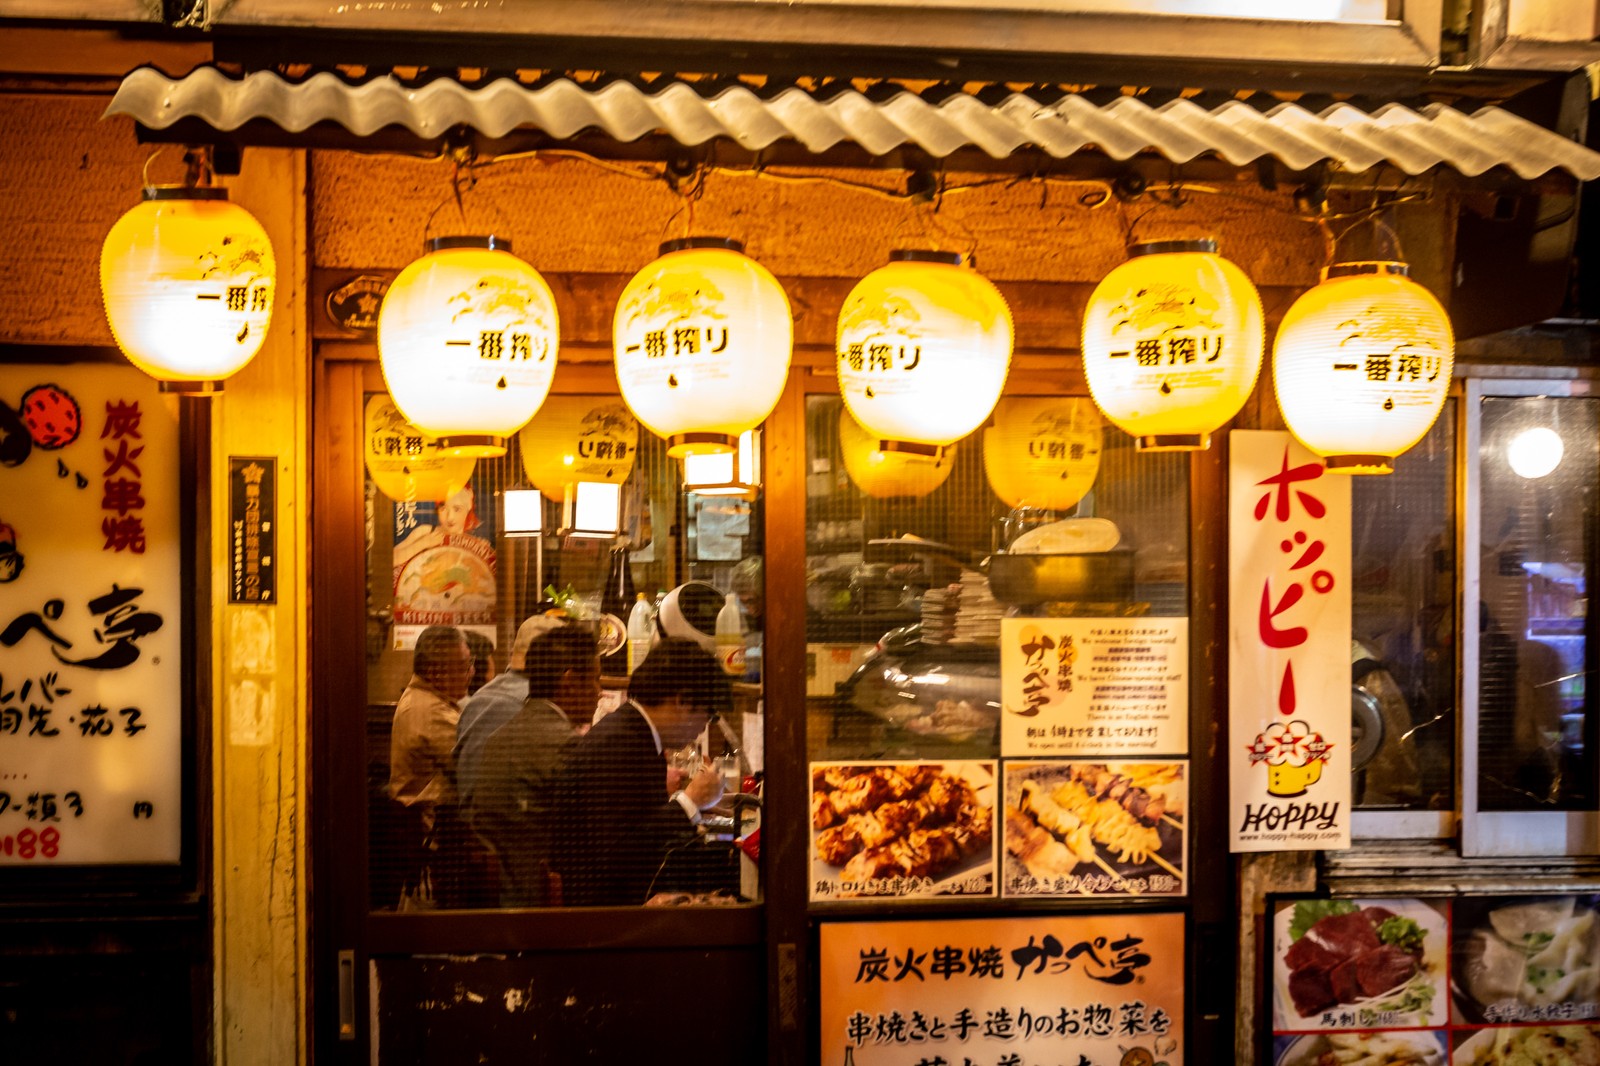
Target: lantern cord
<point>463,180</point>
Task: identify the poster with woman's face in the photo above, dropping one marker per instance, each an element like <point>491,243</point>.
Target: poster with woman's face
<point>444,564</point>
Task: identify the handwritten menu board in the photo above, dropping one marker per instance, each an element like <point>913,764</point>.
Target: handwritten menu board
<point>1034,991</point>
<point>1470,981</point>
<point>1100,686</point>
<point>90,605</point>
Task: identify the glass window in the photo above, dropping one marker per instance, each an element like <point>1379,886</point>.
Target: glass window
<point>495,656</point>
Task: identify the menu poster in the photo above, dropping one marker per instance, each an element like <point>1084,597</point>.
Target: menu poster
<point>1288,647</point>
<point>90,610</point>
<point>1043,990</point>
<point>1094,686</point>
<point>1470,981</point>
<point>1077,829</point>
<point>444,561</point>
<point>920,830</point>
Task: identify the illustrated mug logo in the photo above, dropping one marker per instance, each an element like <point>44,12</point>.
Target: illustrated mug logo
<point>1294,754</point>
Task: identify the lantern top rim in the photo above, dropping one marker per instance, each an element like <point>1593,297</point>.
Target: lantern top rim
<point>486,242</point>
<point>926,255</point>
<point>1207,245</point>
<point>1383,267</point>
<point>684,244</point>
<point>184,192</point>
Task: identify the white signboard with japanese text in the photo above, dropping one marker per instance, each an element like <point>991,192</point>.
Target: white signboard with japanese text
<point>90,604</point>
<point>1084,989</point>
<point>1288,646</point>
<point>1094,686</point>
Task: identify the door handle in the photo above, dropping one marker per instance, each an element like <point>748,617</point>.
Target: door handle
<point>347,995</point>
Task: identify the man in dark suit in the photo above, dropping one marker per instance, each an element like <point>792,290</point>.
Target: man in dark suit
<point>620,826</point>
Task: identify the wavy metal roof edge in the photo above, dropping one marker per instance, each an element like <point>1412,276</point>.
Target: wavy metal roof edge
<point>1414,140</point>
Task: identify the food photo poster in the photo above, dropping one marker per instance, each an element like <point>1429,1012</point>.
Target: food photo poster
<point>1463,981</point>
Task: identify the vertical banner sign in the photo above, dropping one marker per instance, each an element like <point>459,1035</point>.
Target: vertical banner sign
<point>252,537</point>
<point>1094,686</point>
<point>90,601</point>
<point>1080,990</point>
<point>1288,647</point>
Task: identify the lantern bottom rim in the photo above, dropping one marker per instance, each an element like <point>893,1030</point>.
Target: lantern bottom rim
<point>914,447</point>
<point>681,444</point>
<point>1359,464</point>
<point>1173,442</point>
<point>472,445</point>
<point>191,388</point>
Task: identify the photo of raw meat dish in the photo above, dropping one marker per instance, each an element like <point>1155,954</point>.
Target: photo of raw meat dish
<point>1359,964</point>
<point>905,829</point>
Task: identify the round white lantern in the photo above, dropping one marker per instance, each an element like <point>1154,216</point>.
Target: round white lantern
<point>1172,343</point>
<point>188,281</point>
<point>467,337</point>
<point>404,464</point>
<point>579,438</point>
<point>885,475</point>
<point>702,339</point>
<point>1043,451</point>
<point>1362,364</point>
<point>924,346</point>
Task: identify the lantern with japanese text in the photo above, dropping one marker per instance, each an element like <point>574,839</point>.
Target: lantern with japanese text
<point>702,340</point>
<point>578,438</point>
<point>885,475</point>
<point>1172,343</point>
<point>924,346</point>
<point>1043,451</point>
<point>467,337</point>
<point>404,464</point>
<point>1361,365</point>
<point>188,280</point>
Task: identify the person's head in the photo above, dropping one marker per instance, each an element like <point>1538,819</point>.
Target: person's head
<point>532,628</point>
<point>443,660</point>
<point>482,659</point>
<point>456,514</point>
<point>680,684</point>
<point>563,666</point>
<point>749,581</point>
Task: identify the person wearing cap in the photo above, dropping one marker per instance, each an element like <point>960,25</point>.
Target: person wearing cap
<point>493,705</point>
<point>511,806</point>
<point>619,827</point>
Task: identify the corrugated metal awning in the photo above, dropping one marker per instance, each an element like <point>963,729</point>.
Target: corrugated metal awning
<point>1412,140</point>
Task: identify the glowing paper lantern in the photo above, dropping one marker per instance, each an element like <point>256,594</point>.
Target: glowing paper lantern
<point>702,339</point>
<point>1535,452</point>
<point>406,465</point>
<point>188,281</point>
<point>1172,343</point>
<point>1043,451</point>
<point>884,475</point>
<point>924,345</point>
<point>467,336</point>
<point>1362,364</point>
<point>736,473</point>
<point>579,438</point>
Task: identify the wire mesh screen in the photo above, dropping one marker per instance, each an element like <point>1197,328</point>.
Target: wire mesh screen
<point>476,715</point>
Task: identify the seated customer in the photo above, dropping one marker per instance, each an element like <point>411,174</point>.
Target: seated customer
<point>619,827</point>
<point>493,705</point>
<point>512,805</point>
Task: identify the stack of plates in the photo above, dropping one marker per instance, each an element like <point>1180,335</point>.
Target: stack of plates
<point>978,613</point>
<point>939,614</point>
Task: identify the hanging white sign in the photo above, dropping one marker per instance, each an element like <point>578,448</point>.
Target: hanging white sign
<point>90,603</point>
<point>1288,646</point>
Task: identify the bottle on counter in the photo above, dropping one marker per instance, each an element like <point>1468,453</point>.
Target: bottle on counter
<point>641,631</point>
<point>615,603</point>
<point>730,637</point>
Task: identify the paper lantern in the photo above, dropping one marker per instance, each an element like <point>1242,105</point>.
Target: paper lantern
<point>467,336</point>
<point>1172,343</point>
<point>1362,364</point>
<point>884,475</point>
<point>1534,453</point>
<point>404,464</point>
<point>702,338</point>
<point>735,473</point>
<point>924,345</point>
<point>188,281</point>
<point>579,438</point>
<point>1043,451</point>
<point>592,509</point>
<point>521,513</point>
